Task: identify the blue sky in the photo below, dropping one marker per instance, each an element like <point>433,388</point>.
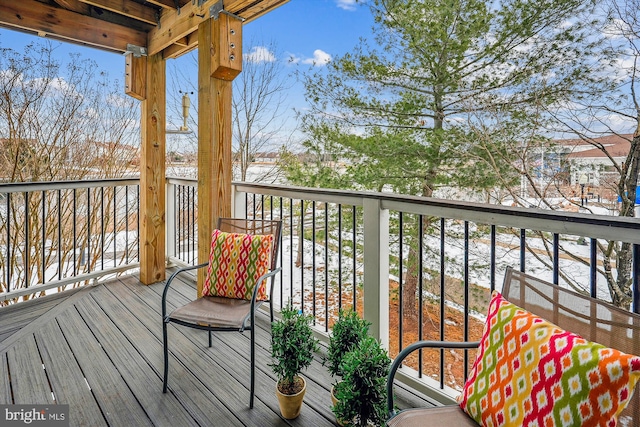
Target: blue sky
<point>305,32</point>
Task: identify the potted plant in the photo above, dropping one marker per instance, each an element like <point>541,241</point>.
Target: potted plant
<point>292,348</point>
<point>362,392</point>
<point>346,334</point>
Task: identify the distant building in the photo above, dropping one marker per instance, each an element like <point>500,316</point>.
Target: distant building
<point>586,159</point>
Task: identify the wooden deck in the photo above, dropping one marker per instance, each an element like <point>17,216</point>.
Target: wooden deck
<point>99,349</point>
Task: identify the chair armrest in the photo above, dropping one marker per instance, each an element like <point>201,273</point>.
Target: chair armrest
<point>262,278</point>
<point>410,349</point>
<point>168,284</point>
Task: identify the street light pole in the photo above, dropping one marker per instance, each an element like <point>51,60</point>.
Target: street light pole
<point>582,181</point>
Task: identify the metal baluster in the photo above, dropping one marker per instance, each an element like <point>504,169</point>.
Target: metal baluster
<point>27,241</point>
<point>493,258</point>
<point>339,256</point>
<point>313,258</point>
<point>59,234</point>
<point>301,240</point>
<point>635,283</point>
<point>102,230</point>
<point>442,296</point>
<point>44,237</point>
<point>522,249</point>
<point>354,255</point>
<point>466,296</point>
<point>593,268</point>
<point>420,297</point>
<point>400,279</point>
<point>556,258</point>
<point>326,266</point>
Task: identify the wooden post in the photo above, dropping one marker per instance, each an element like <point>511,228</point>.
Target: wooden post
<point>219,62</point>
<point>152,173</point>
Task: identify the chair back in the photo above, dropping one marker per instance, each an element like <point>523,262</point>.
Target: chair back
<point>592,319</point>
<point>255,226</point>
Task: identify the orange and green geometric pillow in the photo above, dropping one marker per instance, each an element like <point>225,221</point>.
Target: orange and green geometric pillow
<point>529,372</point>
<point>236,262</point>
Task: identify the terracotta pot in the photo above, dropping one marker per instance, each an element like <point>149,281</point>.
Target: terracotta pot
<point>290,405</point>
<point>334,400</point>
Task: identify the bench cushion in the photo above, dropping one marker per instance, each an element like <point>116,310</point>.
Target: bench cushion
<point>531,372</point>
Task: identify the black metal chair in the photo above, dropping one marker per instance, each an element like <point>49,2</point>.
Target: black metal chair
<point>222,313</point>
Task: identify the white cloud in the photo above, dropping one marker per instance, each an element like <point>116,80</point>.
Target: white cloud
<point>259,54</point>
<point>320,58</point>
<point>346,4</point>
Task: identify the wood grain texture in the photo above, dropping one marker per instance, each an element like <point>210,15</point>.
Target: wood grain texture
<point>112,335</point>
<point>135,76</point>
<point>28,379</point>
<point>66,378</point>
<point>126,8</point>
<point>116,400</point>
<point>214,142</point>
<point>153,174</point>
<point>41,18</point>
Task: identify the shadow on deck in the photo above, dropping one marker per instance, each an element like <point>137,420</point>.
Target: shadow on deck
<point>99,349</point>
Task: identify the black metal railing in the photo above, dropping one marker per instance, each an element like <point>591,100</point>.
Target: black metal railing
<point>60,234</point>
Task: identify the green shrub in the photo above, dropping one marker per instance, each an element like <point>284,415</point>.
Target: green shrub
<point>362,393</point>
<point>292,347</point>
<point>346,334</point>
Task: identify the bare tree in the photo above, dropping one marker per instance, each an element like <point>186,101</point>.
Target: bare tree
<point>258,108</point>
<point>59,123</point>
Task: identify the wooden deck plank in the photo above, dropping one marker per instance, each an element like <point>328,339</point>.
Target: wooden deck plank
<point>67,381</point>
<point>201,363</point>
<point>117,402</point>
<point>5,383</point>
<point>238,364</point>
<point>23,313</point>
<point>183,289</point>
<point>28,379</point>
<point>61,304</point>
<point>112,334</point>
<point>191,392</point>
<point>142,379</point>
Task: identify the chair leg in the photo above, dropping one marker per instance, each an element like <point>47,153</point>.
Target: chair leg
<point>253,362</point>
<point>166,356</point>
<point>209,338</point>
<point>271,309</point>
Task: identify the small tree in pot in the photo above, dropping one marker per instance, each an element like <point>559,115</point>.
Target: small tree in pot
<point>346,334</point>
<point>362,392</point>
<point>292,348</point>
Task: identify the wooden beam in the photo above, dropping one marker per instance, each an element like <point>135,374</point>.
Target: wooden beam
<point>214,139</point>
<point>75,6</point>
<point>41,18</point>
<point>258,9</point>
<point>226,51</point>
<point>174,26</point>
<point>166,4</point>
<point>152,174</point>
<point>127,8</point>
<point>135,76</point>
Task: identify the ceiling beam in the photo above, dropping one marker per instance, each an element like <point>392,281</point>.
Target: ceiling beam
<point>127,8</point>
<point>166,4</point>
<point>175,25</point>
<point>181,47</point>
<point>38,17</point>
